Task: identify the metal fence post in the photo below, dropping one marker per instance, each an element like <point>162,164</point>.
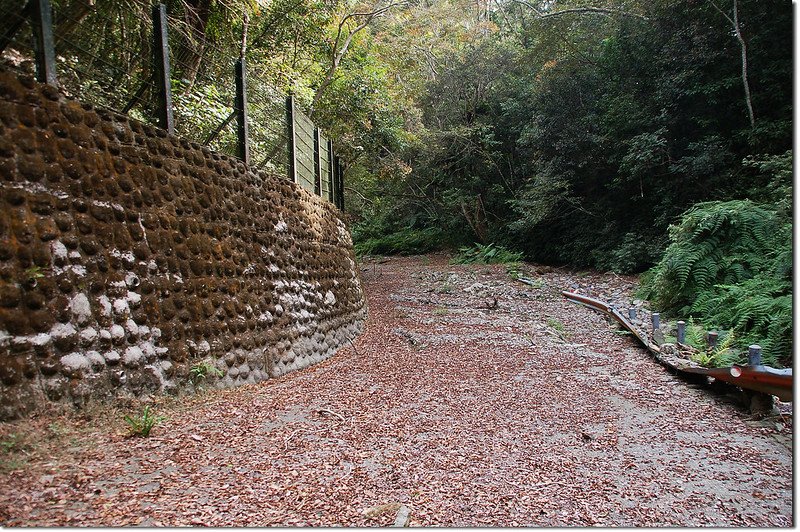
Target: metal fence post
<point>656,317</point>
<point>681,332</point>
<point>44,46</point>
<point>329,177</point>
<point>290,132</point>
<point>336,172</point>
<point>341,186</point>
<point>162,71</point>
<point>242,131</point>
<point>317,163</point>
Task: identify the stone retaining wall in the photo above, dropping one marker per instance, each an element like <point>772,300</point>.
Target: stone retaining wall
<point>128,257</point>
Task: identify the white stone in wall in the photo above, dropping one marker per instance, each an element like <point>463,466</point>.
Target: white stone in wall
<point>127,257</point>
<point>41,339</point>
<point>117,332</point>
<point>81,309</point>
<point>265,319</point>
<point>203,348</point>
<point>95,359</point>
<point>112,357</point>
<point>62,330</point>
<point>105,306</point>
<point>159,373</point>
<point>132,356</point>
<point>148,351</point>
<point>75,362</point>
<point>121,307</point>
<point>88,335</point>
<point>132,328</point>
<point>134,299</point>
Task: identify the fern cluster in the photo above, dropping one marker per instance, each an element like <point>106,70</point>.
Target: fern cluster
<point>486,254</point>
<point>730,266</point>
<point>404,242</point>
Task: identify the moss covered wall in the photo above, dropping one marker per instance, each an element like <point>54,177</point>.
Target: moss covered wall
<point>128,256</point>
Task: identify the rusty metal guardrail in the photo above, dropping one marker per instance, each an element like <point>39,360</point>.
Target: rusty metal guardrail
<point>764,379</point>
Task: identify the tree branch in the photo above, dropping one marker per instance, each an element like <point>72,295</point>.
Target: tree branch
<point>604,11</point>
<point>337,53</point>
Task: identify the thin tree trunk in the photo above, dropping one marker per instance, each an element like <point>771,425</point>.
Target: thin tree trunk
<point>745,81</point>
<point>743,45</point>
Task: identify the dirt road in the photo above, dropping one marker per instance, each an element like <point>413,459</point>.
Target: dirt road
<point>470,400</point>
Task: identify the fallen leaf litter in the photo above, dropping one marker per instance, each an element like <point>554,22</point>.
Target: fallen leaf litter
<point>470,400</point>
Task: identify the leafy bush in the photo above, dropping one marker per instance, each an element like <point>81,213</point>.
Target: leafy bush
<point>486,254</point>
<point>404,242</point>
<point>142,424</point>
<point>730,265</point>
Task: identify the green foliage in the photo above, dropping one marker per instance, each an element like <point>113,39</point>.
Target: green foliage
<point>556,324</point>
<point>695,335</point>
<point>141,424</point>
<point>445,288</point>
<point>715,243</point>
<point>730,265</point>
<point>584,154</point>
<point>404,242</point>
<point>760,308</point>
<point>11,443</point>
<point>486,254</point>
<point>514,270</point>
<point>202,370</point>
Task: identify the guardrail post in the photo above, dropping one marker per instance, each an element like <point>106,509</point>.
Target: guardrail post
<point>713,336</point>
<point>681,332</point>
<point>656,317</point>
<point>242,130</point>
<point>317,163</point>
<point>754,355</point>
<point>162,71</point>
<point>632,313</point>
<point>291,134</point>
<point>43,43</point>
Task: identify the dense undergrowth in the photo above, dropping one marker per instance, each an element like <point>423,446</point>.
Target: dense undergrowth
<point>729,265</point>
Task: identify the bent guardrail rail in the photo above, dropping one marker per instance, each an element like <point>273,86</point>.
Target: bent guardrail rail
<point>764,379</point>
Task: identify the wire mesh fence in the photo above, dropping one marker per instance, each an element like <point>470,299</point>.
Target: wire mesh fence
<point>107,53</point>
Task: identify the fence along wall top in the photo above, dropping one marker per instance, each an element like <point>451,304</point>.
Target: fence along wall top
<point>307,151</point>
